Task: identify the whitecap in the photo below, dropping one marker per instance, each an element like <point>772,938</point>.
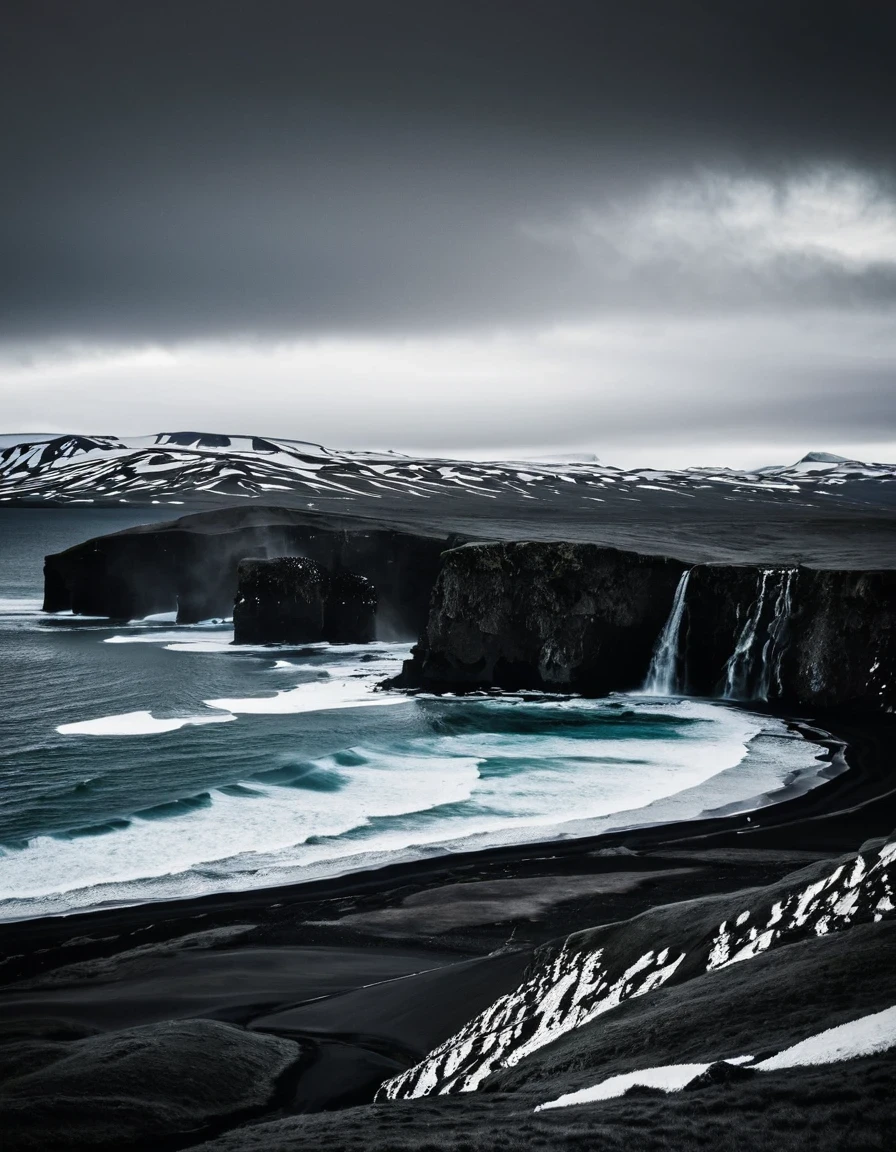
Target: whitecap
<point>279,828</point>
<point>317,696</point>
<point>20,606</point>
<point>136,724</point>
<point>184,634</point>
<point>476,784</point>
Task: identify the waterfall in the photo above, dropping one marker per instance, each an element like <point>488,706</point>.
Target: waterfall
<point>740,662</point>
<point>773,648</point>
<point>742,682</point>
<point>662,676</point>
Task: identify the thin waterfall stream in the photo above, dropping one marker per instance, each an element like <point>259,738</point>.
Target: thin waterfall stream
<point>744,678</point>
<point>773,649</point>
<point>663,675</point>
<point>740,662</point>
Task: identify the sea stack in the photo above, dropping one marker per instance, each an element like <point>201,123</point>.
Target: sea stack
<point>350,612</point>
<point>293,600</point>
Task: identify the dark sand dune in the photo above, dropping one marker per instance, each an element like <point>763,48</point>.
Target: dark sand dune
<point>193,977</point>
<point>411,1014</point>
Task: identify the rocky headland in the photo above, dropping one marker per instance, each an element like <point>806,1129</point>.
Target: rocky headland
<point>191,564</point>
<point>579,618</point>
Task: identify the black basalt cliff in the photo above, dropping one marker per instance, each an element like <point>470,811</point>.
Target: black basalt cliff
<point>292,600</point>
<point>566,617</point>
<point>580,618</point>
<point>191,564</point>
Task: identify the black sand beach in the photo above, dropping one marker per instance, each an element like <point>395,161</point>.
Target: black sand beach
<point>365,973</point>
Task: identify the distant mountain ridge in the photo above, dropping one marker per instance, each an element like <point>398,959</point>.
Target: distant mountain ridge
<point>211,468</point>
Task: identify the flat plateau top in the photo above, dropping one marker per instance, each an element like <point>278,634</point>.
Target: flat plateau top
<point>772,533</point>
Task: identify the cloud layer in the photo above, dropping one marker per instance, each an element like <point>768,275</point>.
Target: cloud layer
<point>448,184</point>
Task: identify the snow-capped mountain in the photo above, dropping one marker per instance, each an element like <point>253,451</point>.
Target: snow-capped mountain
<point>208,468</point>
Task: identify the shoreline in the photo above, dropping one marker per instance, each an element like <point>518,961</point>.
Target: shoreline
<point>836,815</point>
<point>471,846</point>
<point>364,974</point>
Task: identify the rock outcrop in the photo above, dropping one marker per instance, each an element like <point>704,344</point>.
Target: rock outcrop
<point>350,610</point>
<point>293,600</point>
<point>191,564</point>
<point>566,617</point>
<point>576,617</point>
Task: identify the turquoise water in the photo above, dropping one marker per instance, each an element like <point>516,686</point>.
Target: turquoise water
<point>148,761</point>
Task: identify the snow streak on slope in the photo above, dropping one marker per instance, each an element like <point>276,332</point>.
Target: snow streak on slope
<point>593,972</point>
<point>173,467</point>
<point>867,1036</point>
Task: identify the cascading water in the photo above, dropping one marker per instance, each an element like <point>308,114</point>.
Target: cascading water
<point>740,662</point>
<point>662,676</point>
<point>773,648</point>
<point>743,680</point>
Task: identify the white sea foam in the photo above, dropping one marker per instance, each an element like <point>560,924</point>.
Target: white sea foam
<point>20,606</point>
<point>200,646</point>
<point>317,696</point>
<point>183,634</point>
<point>342,683</point>
<point>399,800</point>
<point>29,609</point>
<point>136,724</point>
<point>265,833</point>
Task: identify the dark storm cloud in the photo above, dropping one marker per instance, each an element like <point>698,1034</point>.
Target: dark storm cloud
<point>183,170</point>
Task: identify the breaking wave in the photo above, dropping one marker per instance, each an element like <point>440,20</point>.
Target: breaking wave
<point>484,772</point>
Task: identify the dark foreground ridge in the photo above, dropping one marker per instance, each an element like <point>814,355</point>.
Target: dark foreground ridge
<point>574,982</point>
<point>580,618</point>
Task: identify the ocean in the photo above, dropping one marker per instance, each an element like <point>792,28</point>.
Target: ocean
<point>145,761</point>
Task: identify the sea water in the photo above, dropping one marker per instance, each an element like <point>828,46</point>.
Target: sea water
<point>146,761</point>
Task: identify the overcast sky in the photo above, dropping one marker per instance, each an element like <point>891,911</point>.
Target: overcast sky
<point>658,231</point>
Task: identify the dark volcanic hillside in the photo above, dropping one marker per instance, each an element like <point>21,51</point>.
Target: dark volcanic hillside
<point>89,1036</point>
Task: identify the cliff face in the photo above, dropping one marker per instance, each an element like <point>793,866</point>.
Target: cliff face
<point>801,637</point>
<point>191,565</point>
<point>553,616</point>
<point>291,600</point>
<point>572,617</point>
<point>843,644</point>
